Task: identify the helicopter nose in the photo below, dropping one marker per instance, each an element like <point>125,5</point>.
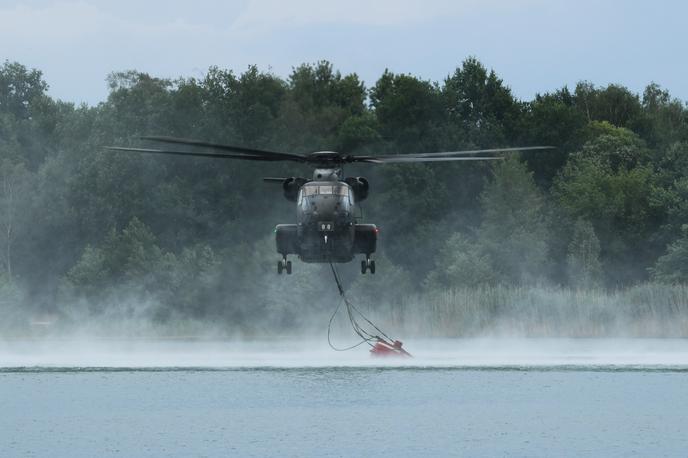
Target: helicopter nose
<point>327,206</point>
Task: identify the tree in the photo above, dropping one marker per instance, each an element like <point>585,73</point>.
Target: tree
<point>664,118</point>
<point>551,119</point>
<point>358,132</point>
<point>408,111</point>
<point>125,258</point>
<point>673,266</point>
<point>410,118</point>
<point>28,117</point>
<point>13,306</point>
<point>513,230</point>
<point>615,104</point>
<point>610,183</point>
<point>20,88</point>
<point>138,104</point>
<point>14,187</point>
<point>480,105</point>
<point>462,262</point>
<point>583,259</point>
<point>613,147</point>
<point>318,102</point>
<point>240,110</point>
<point>193,236</point>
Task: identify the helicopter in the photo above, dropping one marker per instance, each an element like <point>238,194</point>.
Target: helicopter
<point>326,228</point>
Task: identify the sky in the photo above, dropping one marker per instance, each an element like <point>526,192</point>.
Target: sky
<point>534,45</point>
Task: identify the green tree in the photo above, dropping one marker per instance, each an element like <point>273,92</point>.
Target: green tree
<point>673,266</point>
<point>409,112</point>
<point>583,259</point>
<point>20,89</point>
<point>240,110</point>
<point>613,147</point>
<point>611,184</point>
<point>193,236</point>
<point>462,262</point>
<point>124,258</point>
<point>513,230</point>
<point>663,120</point>
<point>552,119</point>
<point>615,104</point>
<point>15,185</point>
<point>479,105</point>
<point>318,102</point>
<point>138,104</point>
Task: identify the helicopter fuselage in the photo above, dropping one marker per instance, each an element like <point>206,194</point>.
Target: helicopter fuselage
<point>326,228</point>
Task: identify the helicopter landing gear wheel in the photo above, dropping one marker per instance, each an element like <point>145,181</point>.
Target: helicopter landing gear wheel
<point>284,265</point>
<point>368,265</point>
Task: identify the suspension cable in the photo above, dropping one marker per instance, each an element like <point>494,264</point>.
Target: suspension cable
<point>352,311</point>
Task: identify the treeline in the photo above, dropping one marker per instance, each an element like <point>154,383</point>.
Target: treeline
<point>90,230</point>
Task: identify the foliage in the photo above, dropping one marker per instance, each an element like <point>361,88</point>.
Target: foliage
<point>194,238</point>
<point>20,89</point>
<point>513,230</point>
<point>673,266</point>
<point>480,105</point>
<point>583,259</point>
<point>611,183</point>
<point>462,262</point>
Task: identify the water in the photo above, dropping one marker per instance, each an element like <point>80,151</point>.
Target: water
<point>455,398</point>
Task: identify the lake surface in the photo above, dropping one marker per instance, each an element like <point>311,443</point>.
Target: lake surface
<point>455,398</point>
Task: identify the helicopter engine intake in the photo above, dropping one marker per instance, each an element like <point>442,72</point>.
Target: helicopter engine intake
<point>291,187</point>
<point>360,187</point>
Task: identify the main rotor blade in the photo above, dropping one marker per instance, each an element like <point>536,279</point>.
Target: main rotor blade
<point>190,153</point>
<point>457,153</point>
<point>401,159</point>
<point>274,179</point>
<point>233,149</point>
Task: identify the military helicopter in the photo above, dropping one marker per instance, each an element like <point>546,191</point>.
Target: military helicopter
<point>326,228</point>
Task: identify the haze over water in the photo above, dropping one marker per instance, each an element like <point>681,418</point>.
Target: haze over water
<point>215,354</point>
<point>528,397</point>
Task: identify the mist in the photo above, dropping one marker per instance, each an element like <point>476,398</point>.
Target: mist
<point>478,353</point>
<point>585,241</point>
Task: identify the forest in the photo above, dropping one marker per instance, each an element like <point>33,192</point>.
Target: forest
<point>590,238</point>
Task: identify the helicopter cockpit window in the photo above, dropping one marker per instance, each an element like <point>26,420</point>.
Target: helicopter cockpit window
<point>328,190</point>
<point>341,190</point>
<point>310,191</point>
